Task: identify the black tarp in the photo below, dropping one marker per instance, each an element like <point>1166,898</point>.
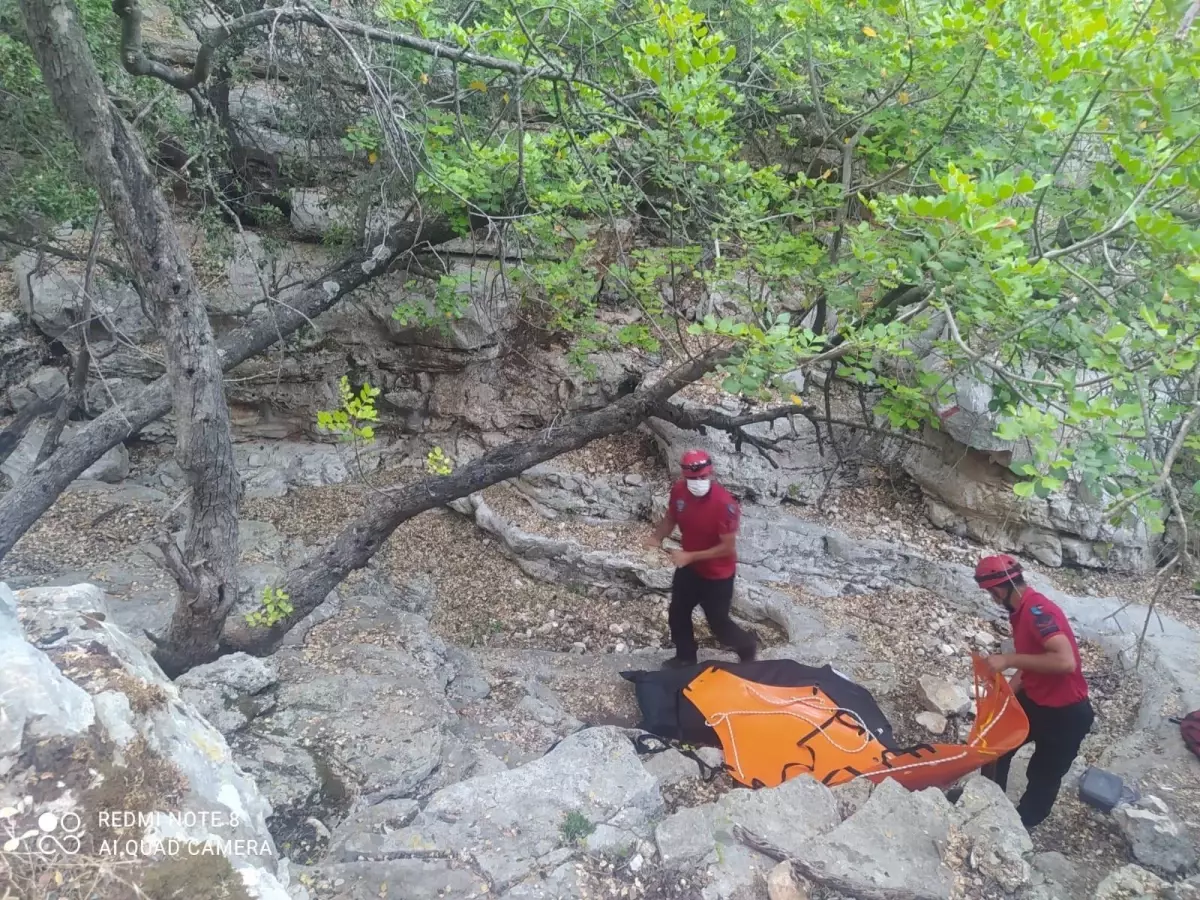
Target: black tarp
<point>666,712</point>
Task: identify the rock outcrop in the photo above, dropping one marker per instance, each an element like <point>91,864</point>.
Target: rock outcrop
<point>106,760</point>
<point>969,491</point>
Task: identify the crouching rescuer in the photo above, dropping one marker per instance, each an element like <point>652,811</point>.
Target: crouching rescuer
<point>708,517</point>
<point>1049,684</point>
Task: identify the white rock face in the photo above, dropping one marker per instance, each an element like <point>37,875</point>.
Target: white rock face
<point>940,696</point>
<point>84,681</point>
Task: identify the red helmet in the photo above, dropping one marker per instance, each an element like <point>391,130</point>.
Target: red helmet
<point>993,571</point>
<point>696,464</point>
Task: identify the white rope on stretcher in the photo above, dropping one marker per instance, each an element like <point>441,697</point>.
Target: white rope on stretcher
<point>809,702</point>
<point>723,718</point>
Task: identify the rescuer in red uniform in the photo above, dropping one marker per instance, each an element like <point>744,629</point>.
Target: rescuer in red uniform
<point>708,517</point>
<point>1049,684</point>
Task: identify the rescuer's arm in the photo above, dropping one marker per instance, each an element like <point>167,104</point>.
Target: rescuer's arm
<point>727,546</point>
<point>1057,659</point>
<point>664,528</point>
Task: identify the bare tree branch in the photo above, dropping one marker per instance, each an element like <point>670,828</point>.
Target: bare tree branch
<point>113,266</point>
<point>1188,18</point>
<point>25,503</point>
<point>735,425</point>
<point>83,357</point>
<point>136,62</point>
<point>310,583</point>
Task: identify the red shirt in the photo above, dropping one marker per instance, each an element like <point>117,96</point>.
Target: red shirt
<point>1035,621</point>
<point>702,521</point>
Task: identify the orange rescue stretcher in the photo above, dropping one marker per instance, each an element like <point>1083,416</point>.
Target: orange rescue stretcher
<point>770,734</point>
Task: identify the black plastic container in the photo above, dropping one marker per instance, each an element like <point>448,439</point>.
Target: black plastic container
<point>1101,790</point>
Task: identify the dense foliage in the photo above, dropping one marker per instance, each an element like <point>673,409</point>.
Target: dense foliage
<point>1017,184</point>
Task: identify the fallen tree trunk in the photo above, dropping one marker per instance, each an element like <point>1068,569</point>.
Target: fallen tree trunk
<point>310,583</point>
<point>27,501</point>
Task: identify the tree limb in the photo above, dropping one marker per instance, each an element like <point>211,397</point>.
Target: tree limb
<point>62,253</point>
<point>1188,18</point>
<point>83,358</point>
<point>1126,217</point>
<point>136,62</point>
<point>735,425</point>
<point>25,503</point>
<point>1164,475</point>
<point>311,582</point>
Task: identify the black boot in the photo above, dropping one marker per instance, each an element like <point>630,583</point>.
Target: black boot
<point>676,663</point>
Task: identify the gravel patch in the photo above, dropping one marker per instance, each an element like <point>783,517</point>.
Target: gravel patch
<point>79,531</point>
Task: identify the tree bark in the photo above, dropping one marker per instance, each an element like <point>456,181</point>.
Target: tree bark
<point>310,583</point>
<point>27,501</point>
<point>117,165</point>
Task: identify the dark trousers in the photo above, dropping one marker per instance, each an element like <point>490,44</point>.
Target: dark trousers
<point>1056,733</point>
<point>715,597</point>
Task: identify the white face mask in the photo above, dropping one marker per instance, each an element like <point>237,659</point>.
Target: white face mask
<point>698,486</point>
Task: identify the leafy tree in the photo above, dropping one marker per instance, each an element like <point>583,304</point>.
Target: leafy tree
<point>809,184</point>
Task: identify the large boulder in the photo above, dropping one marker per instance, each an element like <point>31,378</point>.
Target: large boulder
<point>513,821</point>
<point>1001,848</point>
<point>473,304</point>
<point>1158,840</point>
<point>52,296</point>
<point>99,749</point>
<point>969,491</point>
<point>893,842</point>
<point>112,467</point>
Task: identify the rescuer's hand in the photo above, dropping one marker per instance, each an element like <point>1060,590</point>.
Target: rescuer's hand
<point>650,542</point>
<point>998,662</point>
<point>681,558</point>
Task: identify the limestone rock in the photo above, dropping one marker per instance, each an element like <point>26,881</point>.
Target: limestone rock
<point>1001,846</point>
<point>38,701</point>
<point>942,697</point>
<point>684,838</point>
<point>1132,883</point>
<point>803,471</point>
<point>851,796</point>
<point>398,879</point>
<point>510,820</point>
<point>934,723</point>
<point>1055,877</point>
<point>224,692</point>
<point>1157,838</point>
<point>782,884</point>
<point>271,468</point>
<point>969,493</point>
<point>52,298</point>
<point>671,767</point>
<point>183,763</point>
<point>892,842</point>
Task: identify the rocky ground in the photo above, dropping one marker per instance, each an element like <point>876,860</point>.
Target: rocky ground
<point>464,653</point>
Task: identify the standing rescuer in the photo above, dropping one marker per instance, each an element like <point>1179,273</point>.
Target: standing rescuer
<point>708,518</point>
<point>1049,684</point>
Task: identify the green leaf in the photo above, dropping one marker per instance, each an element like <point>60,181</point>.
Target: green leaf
<point>1023,488</point>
